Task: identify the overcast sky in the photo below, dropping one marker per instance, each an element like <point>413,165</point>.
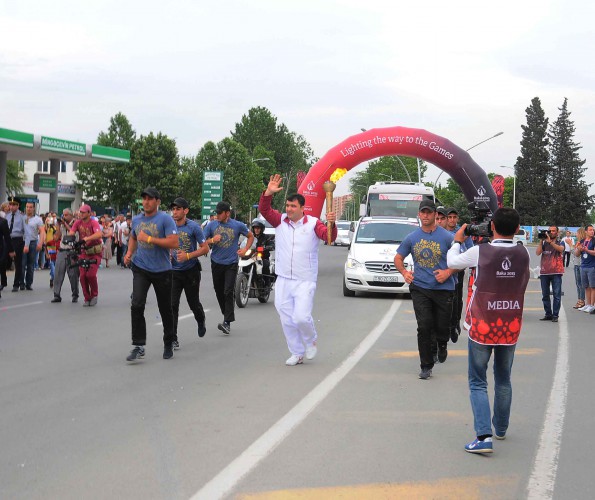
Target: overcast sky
<point>464,70</point>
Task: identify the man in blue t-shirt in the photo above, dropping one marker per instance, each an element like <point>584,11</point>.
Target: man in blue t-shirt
<point>186,267</point>
<point>431,285</point>
<point>223,234</point>
<point>153,235</point>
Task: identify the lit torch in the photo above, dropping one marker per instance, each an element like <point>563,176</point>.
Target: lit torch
<point>329,186</point>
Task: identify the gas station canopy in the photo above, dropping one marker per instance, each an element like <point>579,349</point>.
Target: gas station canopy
<point>25,146</point>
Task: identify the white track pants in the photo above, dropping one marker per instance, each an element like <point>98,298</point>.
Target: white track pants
<point>294,300</point>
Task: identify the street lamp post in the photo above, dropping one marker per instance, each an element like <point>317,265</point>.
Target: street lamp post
<point>468,149</point>
<point>387,176</point>
<point>513,184</point>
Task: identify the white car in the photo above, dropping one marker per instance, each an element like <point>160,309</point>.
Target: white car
<point>342,232</point>
<point>520,237</point>
<point>370,261</point>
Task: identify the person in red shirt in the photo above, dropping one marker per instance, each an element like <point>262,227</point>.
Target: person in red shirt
<point>551,250</point>
<point>89,231</point>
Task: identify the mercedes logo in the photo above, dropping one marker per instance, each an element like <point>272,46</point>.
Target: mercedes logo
<point>386,268</point>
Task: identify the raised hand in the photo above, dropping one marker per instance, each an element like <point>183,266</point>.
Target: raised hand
<point>274,185</point>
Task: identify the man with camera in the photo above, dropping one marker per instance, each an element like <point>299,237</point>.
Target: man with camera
<point>89,231</point>
<point>494,317</point>
<point>551,250</point>
<point>63,264</point>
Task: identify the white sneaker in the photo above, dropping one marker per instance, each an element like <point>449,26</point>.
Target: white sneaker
<point>294,360</point>
<point>311,351</point>
<point>583,308</point>
<point>588,309</point>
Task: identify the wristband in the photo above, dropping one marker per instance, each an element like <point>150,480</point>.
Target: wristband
<point>149,240</point>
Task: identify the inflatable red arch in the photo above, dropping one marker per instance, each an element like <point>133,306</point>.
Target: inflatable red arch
<point>402,141</point>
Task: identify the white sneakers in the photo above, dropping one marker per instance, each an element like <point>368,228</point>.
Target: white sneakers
<point>294,360</point>
<point>587,308</point>
<point>311,351</point>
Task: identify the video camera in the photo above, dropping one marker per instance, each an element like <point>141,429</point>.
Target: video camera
<point>543,234</point>
<point>480,221</point>
<point>76,248</point>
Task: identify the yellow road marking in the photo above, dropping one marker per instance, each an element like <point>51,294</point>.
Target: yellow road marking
<point>459,488</point>
<point>528,351</point>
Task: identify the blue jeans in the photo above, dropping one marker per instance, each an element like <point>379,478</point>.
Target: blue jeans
<point>556,282</point>
<point>580,289</point>
<point>479,357</point>
<point>29,262</point>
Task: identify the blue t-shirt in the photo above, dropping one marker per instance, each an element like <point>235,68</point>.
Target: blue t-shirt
<point>588,260</point>
<point>226,251</point>
<point>429,254</point>
<point>149,256</point>
<point>191,237</point>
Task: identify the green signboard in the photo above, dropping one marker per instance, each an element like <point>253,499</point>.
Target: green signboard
<point>43,183</point>
<point>63,146</point>
<point>17,138</point>
<point>212,191</point>
<point>107,153</point>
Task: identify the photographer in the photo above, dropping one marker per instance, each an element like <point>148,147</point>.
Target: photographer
<point>63,264</point>
<point>552,268</point>
<point>493,318</point>
<point>89,231</point>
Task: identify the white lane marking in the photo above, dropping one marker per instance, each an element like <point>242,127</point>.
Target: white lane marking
<point>186,316</point>
<point>543,477</point>
<point>6,308</point>
<point>229,477</point>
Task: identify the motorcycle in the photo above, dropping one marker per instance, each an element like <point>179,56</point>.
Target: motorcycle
<point>251,282</point>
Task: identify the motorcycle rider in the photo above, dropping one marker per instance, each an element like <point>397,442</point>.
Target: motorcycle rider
<point>263,240</point>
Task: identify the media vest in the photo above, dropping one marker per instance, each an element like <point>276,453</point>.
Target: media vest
<point>495,311</point>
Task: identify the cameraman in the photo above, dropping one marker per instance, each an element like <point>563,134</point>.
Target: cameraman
<point>502,274</point>
<point>89,231</point>
<point>63,264</point>
<point>551,250</point>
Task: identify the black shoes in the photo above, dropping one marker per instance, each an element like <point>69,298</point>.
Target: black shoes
<point>15,288</point>
<point>136,354</point>
<point>442,353</point>
<point>545,318</point>
<point>56,299</point>
<point>168,352</point>
<point>75,300</point>
<point>555,319</point>
<point>175,344</point>
<point>202,329</point>
<point>425,373</point>
<point>225,327</point>
<point>29,288</point>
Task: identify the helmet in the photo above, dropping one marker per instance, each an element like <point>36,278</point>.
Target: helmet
<point>258,223</point>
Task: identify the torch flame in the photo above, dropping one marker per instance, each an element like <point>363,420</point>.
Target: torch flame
<point>337,174</point>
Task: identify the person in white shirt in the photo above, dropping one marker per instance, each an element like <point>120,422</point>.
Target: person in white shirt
<point>296,266</point>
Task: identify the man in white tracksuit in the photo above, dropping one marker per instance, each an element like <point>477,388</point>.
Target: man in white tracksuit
<point>296,266</point>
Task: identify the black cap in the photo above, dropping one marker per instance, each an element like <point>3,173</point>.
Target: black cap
<point>14,200</point>
<point>452,210</point>
<point>179,202</point>
<point>129,216</point>
<point>213,212</point>
<point>222,206</point>
<point>441,210</point>
<point>427,204</point>
<point>151,192</point>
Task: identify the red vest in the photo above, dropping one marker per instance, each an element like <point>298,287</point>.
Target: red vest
<point>495,310</point>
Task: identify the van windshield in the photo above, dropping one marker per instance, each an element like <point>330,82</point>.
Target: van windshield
<point>343,225</point>
<point>382,232</point>
<point>393,205</point>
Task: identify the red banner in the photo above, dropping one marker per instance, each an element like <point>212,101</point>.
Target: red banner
<point>498,185</point>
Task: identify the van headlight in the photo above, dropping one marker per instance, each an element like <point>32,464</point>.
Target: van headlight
<point>353,264</point>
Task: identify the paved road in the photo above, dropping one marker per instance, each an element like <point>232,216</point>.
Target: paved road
<point>226,418</point>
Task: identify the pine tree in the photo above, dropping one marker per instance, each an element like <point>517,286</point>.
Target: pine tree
<point>570,202</point>
<point>532,168</point>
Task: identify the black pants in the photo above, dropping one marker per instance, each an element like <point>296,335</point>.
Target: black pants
<point>566,259</point>
<point>457,302</point>
<point>433,310</point>
<point>4,263</point>
<point>18,244</point>
<point>224,281</point>
<point>189,281</point>
<point>141,282</point>
<point>119,255</point>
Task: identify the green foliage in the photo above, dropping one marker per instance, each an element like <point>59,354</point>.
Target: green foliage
<point>110,183</point>
<point>242,177</point>
<point>532,168</point>
<point>189,185</point>
<point>15,178</point>
<point>570,201</point>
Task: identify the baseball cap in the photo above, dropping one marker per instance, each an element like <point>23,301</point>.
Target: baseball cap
<point>441,210</point>
<point>452,210</point>
<point>179,202</point>
<point>85,208</point>
<point>427,204</point>
<point>151,192</point>
<point>222,206</point>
